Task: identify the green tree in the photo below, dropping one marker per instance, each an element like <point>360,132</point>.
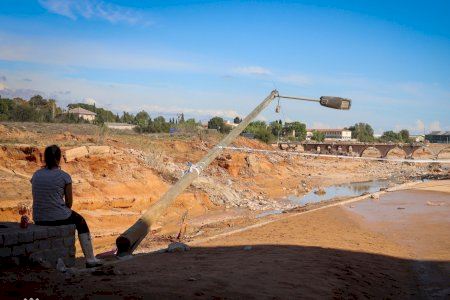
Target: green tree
<point>219,124</point>
<point>390,136</point>
<point>237,120</point>
<point>363,132</point>
<point>127,118</point>
<point>318,136</point>
<point>276,128</point>
<point>142,117</point>
<point>296,127</point>
<point>404,134</point>
<point>261,131</point>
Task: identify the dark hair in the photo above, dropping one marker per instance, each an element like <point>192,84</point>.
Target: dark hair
<point>52,156</point>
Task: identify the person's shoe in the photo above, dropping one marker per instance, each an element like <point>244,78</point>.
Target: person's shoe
<point>86,246</point>
<point>94,263</point>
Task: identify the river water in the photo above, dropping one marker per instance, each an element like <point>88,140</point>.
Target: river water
<point>352,189</point>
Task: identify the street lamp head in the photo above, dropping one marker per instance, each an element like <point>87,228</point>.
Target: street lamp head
<point>336,102</point>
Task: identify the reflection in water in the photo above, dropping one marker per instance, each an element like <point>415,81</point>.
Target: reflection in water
<point>343,190</point>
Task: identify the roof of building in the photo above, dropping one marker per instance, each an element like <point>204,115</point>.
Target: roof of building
<point>327,129</point>
<point>439,133</point>
<point>81,111</point>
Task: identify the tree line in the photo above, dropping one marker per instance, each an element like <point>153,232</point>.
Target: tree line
<point>38,109</point>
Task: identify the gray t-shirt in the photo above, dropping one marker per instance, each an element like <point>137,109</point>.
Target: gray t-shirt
<point>48,195</point>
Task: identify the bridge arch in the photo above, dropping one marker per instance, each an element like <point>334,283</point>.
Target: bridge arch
<point>423,152</point>
<point>445,150</point>
<point>368,152</point>
<point>396,148</point>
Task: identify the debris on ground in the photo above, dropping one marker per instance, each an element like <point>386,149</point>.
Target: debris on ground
<point>177,247</point>
<point>431,203</point>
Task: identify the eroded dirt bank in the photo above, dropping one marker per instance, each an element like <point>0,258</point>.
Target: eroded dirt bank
<point>112,190</point>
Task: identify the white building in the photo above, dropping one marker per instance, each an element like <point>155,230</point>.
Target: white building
<point>231,124</point>
<point>331,134</point>
<point>120,126</point>
<point>82,113</point>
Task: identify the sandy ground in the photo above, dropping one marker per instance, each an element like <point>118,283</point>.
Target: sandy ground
<point>111,191</point>
<point>370,249</point>
<point>367,249</point>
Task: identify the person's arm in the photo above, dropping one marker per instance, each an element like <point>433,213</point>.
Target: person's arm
<point>68,195</point>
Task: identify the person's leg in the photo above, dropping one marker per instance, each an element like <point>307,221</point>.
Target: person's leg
<point>79,222</point>
<point>85,239</point>
<point>84,236</point>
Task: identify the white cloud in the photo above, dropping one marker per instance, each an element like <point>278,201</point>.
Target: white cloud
<point>435,126</point>
<point>152,108</point>
<point>320,125</point>
<point>300,80</point>
<point>94,9</point>
<point>90,54</point>
<point>90,101</point>
<point>252,70</point>
<point>420,126</point>
<point>2,86</point>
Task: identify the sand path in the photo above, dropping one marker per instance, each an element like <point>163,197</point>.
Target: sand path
<point>336,252</point>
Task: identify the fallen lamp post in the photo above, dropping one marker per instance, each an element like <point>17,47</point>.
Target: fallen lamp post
<point>128,241</point>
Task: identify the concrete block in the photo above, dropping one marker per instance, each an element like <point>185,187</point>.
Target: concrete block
<point>98,150</point>
<point>5,252</point>
<point>26,236</point>
<point>18,250</point>
<point>71,251</point>
<point>69,241</point>
<point>69,261</point>
<point>40,233</point>
<point>31,247</point>
<point>62,252</point>
<point>67,230</point>
<point>57,243</point>
<point>44,244</point>
<point>54,231</point>
<point>36,257</point>
<point>10,238</point>
<point>75,153</point>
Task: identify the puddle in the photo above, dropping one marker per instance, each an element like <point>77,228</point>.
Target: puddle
<point>269,213</point>
<point>418,220</point>
<point>352,189</point>
<point>398,207</point>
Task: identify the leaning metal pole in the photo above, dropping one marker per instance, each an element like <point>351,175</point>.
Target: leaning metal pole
<point>130,239</point>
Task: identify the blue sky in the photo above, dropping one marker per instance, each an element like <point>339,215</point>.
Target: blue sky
<point>208,58</point>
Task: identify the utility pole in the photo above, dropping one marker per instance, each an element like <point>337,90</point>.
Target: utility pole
<point>130,239</point>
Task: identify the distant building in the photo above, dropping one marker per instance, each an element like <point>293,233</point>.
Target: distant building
<point>331,134</point>
<point>82,113</point>
<point>442,137</point>
<point>231,124</point>
<point>120,126</point>
<point>419,138</point>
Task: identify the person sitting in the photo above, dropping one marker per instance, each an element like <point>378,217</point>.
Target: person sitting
<point>52,201</point>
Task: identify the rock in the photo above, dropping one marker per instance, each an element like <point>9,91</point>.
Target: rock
<point>75,153</point>
<point>98,150</point>
<point>60,266</point>
<point>320,191</point>
<point>177,247</point>
<point>431,203</point>
<point>374,196</point>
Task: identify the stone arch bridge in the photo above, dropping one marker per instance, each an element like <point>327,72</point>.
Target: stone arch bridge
<point>356,149</point>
